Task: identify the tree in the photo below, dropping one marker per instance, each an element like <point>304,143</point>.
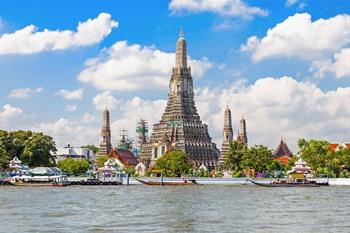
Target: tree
<point>174,163</point>
<point>234,156</point>
<point>101,160</point>
<point>74,166</point>
<point>34,149</point>
<point>94,148</point>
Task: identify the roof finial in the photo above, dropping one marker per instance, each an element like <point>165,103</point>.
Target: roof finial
<point>182,34</point>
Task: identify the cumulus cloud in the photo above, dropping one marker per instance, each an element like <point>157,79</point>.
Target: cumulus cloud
<point>23,93</point>
<point>126,67</point>
<point>87,118</point>
<point>105,99</point>
<point>130,111</point>
<point>235,8</point>
<point>275,107</point>
<point>65,131</point>
<point>71,95</point>
<point>9,111</point>
<point>29,40</point>
<point>299,36</point>
<point>338,67</point>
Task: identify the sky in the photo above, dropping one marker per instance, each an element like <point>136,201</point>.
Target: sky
<point>283,65</point>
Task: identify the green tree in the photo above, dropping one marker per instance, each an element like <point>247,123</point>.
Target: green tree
<point>101,160</point>
<point>74,166</point>
<point>174,163</point>
<point>234,156</point>
<point>94,148</point>
<point>34,149</point>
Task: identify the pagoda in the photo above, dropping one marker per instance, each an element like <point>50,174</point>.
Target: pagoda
<point>180,127</point>
<point>105,144</point>
<point>227,136</point>
<point>242,132</point>
<point>282,153</point>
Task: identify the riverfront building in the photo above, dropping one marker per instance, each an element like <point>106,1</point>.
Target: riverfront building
<point>282,153</point>
<point>180,127</point>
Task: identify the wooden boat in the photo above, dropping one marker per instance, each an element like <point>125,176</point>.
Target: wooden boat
<point>288,183</point>
<point>168,183</point>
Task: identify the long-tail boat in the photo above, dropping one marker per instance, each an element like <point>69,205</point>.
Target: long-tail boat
<point>168,183</point>
<point>290,183</point>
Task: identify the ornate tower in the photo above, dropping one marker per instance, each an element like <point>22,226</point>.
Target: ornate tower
<point>105,145</point>
<point>180,124</point>
<point>227,136</point>
<point>242,133</point>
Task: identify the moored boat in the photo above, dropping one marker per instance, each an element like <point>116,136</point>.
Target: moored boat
<point>168,183</point>
<point>290,183</point>
<point>40,181</point>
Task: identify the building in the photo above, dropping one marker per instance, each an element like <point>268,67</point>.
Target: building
<point>105,144</point>
<point>122,158</point>
<point>282,153</point>
<point>180,127</point>
<point>338,146</point>
<point>227,136</point>
<point>242,132</point>
<point>75,153</point>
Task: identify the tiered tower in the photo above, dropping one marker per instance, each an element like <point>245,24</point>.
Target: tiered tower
<point>105,145</point>
<point>242,132</point>
<point>180,126</point>
<point>227,136</point>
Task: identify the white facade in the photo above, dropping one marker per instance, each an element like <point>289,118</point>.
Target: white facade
<point>74,152</point>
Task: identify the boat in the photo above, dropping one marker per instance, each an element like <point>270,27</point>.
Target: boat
<point>290,183</point>
<point>168,183</point>
<point>40,181</point>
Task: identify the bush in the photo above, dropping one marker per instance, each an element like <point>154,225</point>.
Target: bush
<point>74,166</point>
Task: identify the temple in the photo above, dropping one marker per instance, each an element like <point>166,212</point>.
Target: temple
<point>227,136</point>
<point>180,127</point>
<point>105,144</point>
<point>242,132</point>
<point>282,153</point>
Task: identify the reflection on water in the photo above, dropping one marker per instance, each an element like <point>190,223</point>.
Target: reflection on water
<point>174,209</point>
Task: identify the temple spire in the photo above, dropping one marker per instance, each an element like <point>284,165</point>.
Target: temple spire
<point>181,51</point>
<point>105,143</point>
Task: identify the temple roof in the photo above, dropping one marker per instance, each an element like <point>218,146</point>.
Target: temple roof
<point>282,150</point>
<point>124,156</point>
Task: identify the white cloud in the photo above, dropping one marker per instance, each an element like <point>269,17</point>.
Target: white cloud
<point>87,118</point>
<point>65,131</point>
<point>278,107</point>
<point>29,40</point>
<point>9,111</point>
<point>133,110</point>
<point>126,67</point>
<point>24,92</point>
<point>339,66</point>
<point>299,36</point>
<point>71,95</point>
<point>289,3</point>
<point>105,99</point>
<point>236,8</point>
<point>71,108</point>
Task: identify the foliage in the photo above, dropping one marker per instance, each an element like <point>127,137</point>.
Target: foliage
<point>101,160</point>
<point>257,159</point>
<point>94,148</point>
<point>74,166</point>
<point>130,170</point>
<point>323,160</point>
<point>32,148</point>
<point>174,163</point>
<point>203,173</point>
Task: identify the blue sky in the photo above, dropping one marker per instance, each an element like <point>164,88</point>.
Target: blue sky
<point>62,91</point>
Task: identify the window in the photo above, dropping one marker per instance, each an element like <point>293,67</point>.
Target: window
<point>155,153</point>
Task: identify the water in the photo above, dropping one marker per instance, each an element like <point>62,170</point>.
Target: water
<point>140,208</point>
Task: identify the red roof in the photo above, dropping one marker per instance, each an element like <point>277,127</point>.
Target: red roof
<point>283,160</point>
<point>334,146</point>
<point>126,157</point>
<point>282,150</point>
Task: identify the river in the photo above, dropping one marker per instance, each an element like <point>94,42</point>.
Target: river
<point>139,208</point>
